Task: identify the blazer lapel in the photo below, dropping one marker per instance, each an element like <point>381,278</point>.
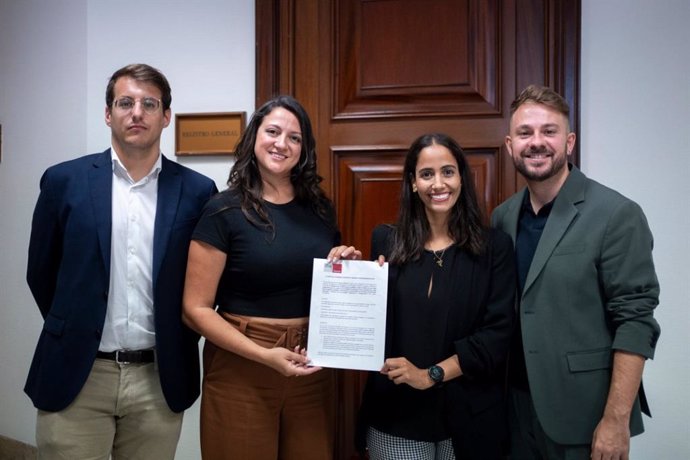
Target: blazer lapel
<point>169,188</point>
<point>100,188</point>
<point>562,215</point>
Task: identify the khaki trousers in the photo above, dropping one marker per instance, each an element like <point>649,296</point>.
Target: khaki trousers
<point>251,412</point>
<point>121,410</point>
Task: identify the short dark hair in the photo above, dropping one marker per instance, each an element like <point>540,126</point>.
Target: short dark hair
<point>141,73</point>
<point>541,95</point>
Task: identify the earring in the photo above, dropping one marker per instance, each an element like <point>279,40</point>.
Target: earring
<point>414,188</point>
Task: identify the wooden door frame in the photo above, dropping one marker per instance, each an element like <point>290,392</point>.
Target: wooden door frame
<point>275,64</point>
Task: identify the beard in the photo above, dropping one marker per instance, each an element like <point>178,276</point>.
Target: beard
<point>558,162</point>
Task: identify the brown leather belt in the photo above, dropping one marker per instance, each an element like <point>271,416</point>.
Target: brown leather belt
<point>270,335</point>
<point>128,356</point>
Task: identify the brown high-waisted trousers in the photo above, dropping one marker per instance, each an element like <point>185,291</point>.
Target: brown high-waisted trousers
<point>252,412</point>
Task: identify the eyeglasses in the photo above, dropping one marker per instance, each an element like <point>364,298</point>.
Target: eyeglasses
<point>149,104</point>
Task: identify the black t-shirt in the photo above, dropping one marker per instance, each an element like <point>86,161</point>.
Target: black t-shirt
<point>265,275</point>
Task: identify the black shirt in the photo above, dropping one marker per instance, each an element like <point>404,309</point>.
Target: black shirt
<point>530,228</point>
<point>264,275</point>
<point>416,331</point>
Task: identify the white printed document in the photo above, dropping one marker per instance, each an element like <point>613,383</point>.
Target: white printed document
<point>347,322</point>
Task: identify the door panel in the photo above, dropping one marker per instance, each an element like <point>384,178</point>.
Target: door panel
<point>376,74</point>
<point>368,181</point>
<point>415,58</point>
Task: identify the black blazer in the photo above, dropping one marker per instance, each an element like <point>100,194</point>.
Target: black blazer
<point>69,273</point>
<point>473,318</point>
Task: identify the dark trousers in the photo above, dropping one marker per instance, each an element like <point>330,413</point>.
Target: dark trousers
<point>527,438</point>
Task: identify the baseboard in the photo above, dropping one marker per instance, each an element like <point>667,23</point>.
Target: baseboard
<point>11,449</point>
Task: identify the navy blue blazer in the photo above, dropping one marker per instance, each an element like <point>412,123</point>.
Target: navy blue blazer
<point>69,273</point>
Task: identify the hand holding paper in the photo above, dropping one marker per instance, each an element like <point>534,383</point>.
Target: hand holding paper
<point>347,323</point>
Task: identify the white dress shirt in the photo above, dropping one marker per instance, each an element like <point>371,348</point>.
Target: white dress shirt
<point>129,321</point>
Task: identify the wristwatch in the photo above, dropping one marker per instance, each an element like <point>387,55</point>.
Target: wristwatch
<point>436,374</point>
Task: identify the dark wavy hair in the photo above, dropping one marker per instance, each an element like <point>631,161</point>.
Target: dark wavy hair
<point>142,73</point>
<point>466,222</point>
<point>245,177</point>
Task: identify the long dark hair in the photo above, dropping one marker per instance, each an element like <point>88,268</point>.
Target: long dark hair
<point>245,177</point>
<point>466,221</point>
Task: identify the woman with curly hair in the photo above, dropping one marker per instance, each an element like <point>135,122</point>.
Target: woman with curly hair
<point>248,292</point>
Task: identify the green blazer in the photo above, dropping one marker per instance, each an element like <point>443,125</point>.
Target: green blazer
<point>591,289</point>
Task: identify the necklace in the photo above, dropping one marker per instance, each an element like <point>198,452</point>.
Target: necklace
<point>439,258</point>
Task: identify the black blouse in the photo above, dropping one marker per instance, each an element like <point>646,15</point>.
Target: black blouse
<point>469,312</point>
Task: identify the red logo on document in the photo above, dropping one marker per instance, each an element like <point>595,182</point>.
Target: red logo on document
<point>337,268</point>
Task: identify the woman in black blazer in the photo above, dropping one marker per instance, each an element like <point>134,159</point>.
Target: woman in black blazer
<point>451,294</point>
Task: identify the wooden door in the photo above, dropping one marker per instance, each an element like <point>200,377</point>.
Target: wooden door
<point>376,74</point>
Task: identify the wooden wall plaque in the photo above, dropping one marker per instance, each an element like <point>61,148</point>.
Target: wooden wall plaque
<point>208,133</point>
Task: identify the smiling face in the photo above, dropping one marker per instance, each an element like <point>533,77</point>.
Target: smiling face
<point>437,180</point>
<point>539,142</point>
<point>136,130</point>
<point>278,144</point>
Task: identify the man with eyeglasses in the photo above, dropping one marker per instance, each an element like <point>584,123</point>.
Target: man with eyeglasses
<point>114,367</point>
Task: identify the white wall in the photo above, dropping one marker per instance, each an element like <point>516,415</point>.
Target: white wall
<point>42,112</point>
<point>56,57</point>
<point>205,48</point>
<point>635,137</point>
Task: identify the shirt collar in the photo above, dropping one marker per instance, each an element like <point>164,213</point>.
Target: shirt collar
<point>120,170</point>
<point>527,205</point>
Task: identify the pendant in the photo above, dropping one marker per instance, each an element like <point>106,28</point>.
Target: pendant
<point>439,259</point>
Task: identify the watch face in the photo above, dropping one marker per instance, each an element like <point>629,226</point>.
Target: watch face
<point>436,374</point>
